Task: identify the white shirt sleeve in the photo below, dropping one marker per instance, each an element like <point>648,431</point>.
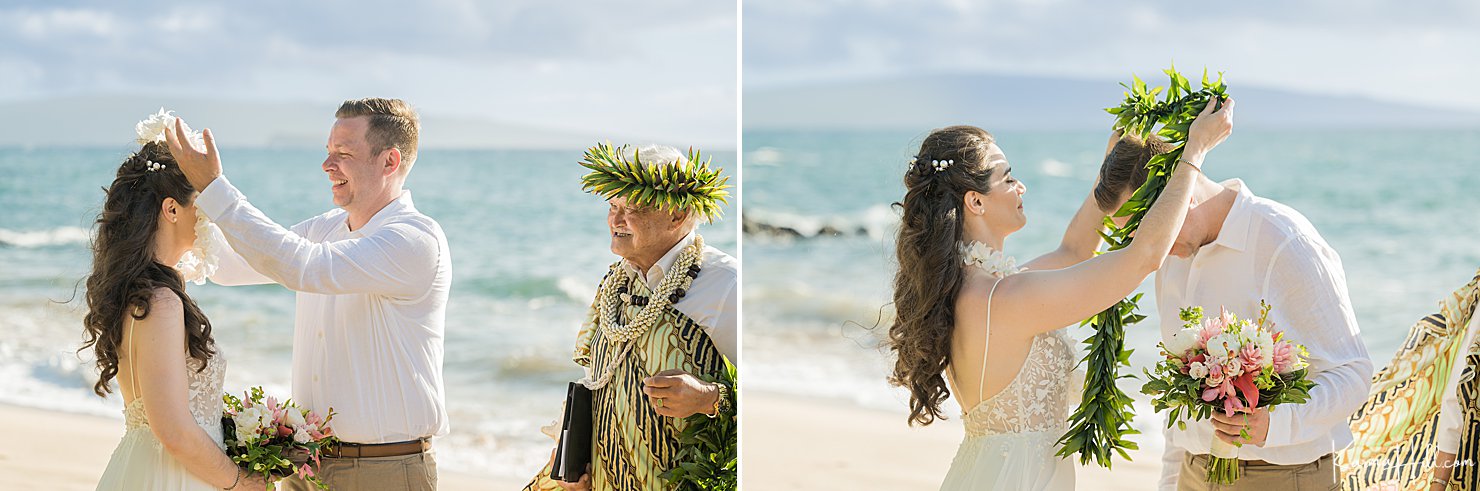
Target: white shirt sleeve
<point>725,333</point>
<point>1447,435</point>
<point>232,269</point>
<point>1306,286</point>
<point>398,259</point>
<point>1171,462</point>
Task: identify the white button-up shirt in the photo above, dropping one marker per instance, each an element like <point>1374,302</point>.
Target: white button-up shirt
<point>1267,250</point>
<point>710,300</point>
<point>371,311</point>
<point>1447,435</point>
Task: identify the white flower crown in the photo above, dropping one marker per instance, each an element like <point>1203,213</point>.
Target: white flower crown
<point>152,129</point>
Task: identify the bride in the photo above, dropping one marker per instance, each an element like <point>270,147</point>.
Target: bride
<point>963,309</point>
<point>151,336</point>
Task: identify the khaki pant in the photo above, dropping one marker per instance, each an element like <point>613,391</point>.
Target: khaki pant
<point>408,472</point>
<point>1321,475</point>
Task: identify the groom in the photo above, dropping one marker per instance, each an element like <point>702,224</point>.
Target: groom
<point>1236,248</point>
<point>372,278</point>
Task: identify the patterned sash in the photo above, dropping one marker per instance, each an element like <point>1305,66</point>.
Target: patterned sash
<point>1395,430</point>
<point>633,444</point>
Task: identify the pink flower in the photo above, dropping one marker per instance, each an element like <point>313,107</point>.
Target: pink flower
<point>1286,357</point>
<point>284,431</point>
<point>305,471</point>
<point>1251,357</point>
<point>1215,375</point>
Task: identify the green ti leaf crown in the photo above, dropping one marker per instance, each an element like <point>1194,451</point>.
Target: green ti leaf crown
<point>688,184</point>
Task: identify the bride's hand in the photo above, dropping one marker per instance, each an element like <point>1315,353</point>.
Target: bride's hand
<point>201,166</point>
<point>1209,129</point>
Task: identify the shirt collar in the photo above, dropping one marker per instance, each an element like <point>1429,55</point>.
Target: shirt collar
<point>654,275</point>
<point>1235,232</point>
<point>395,207</point>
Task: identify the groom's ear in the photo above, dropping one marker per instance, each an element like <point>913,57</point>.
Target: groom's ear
<point>392,163</point>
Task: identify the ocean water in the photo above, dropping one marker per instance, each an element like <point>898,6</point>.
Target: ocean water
<point>528,250</point>
<point>1401,208</point>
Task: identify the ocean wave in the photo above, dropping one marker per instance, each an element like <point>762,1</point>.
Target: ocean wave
<point>875,222</point>
<point>43,238</point>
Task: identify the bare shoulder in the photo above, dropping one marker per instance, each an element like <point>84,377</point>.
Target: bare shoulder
<point>164,305</point>
<point>971,301</point>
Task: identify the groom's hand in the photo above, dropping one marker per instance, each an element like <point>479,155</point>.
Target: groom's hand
<point>679,394</point>
<point>200,165</point>
<point>1232,428</point>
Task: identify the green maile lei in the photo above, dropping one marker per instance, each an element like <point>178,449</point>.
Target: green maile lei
<point>1099,427</point>
<point>709,457</point>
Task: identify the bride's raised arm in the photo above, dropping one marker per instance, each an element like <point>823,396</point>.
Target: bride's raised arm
<point>1041,301</point>
<point>1082,236</point>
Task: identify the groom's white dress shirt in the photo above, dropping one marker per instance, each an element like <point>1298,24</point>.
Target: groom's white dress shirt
<point>711,300</point>
<point>371,311</point>
<point>1267,250</point>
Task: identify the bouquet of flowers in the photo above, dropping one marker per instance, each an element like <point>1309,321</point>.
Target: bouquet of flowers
<point>1227,364</point>
<point>260,432</point>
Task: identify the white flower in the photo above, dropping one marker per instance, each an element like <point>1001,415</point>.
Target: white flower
<point>249,423</point>
<point>992,261</point>
<point>1266,348</point>
<point>301,434</point>
<point>1181,342</point>
<point>1222,346</point>
<point>294,418</point>
<point>1197,370</point>
<point>201,261</point>
<point>152,129</point>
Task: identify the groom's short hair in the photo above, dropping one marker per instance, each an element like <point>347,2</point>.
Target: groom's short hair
<point>1124,169</point>
<point>393,123</point>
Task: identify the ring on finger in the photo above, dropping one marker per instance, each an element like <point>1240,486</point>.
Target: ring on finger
<point>658,402</point>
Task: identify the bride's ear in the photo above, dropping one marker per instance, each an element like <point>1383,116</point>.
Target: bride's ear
<point>169,209</point>
<point>974,203</point>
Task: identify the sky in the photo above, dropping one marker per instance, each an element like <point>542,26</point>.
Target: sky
<point>662,69</point>
<point>1425,53</point>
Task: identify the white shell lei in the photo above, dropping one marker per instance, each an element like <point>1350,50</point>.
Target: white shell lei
<point>610,301</point>
<point>201,261</point>
<point>990,260</point>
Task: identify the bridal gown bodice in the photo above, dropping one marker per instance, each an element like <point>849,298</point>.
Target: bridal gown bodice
<point>140,462</point>
<point>1011,436</point>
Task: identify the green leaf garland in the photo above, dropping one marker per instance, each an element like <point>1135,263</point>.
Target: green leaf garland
<point>1099,427</point>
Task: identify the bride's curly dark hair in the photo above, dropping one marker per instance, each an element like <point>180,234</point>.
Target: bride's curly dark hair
<point>124,271</point>
<point>930,268</point>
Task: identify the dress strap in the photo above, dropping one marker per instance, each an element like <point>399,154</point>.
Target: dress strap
<point>133,361</point>
<point>981,384</point>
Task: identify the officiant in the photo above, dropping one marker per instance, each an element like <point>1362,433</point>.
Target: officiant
<point>661,331</point>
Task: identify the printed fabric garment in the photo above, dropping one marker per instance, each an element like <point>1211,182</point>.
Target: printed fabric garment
<point>141,463</point>
<point>1395,432</point>
<point>632,444</point>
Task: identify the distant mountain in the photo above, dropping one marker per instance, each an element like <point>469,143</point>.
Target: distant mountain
<point>106,120</point>
<point>1023,102</point>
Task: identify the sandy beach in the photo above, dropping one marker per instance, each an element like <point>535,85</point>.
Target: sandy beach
<point>52,450</point>
<point>790,442</point>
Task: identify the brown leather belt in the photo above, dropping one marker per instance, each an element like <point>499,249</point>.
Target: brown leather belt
<point>345,450</point>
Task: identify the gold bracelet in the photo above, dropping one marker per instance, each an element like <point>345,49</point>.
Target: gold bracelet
<point>1443,483</point>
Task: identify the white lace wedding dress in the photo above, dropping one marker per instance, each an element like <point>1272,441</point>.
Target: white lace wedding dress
<point>1010,436</point>
<point>140,462</point>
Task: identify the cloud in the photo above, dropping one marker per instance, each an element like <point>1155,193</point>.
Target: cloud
<point>664,68</point>
<point>1364,47</point>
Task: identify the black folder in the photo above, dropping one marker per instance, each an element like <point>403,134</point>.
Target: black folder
<point>574,452</point>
